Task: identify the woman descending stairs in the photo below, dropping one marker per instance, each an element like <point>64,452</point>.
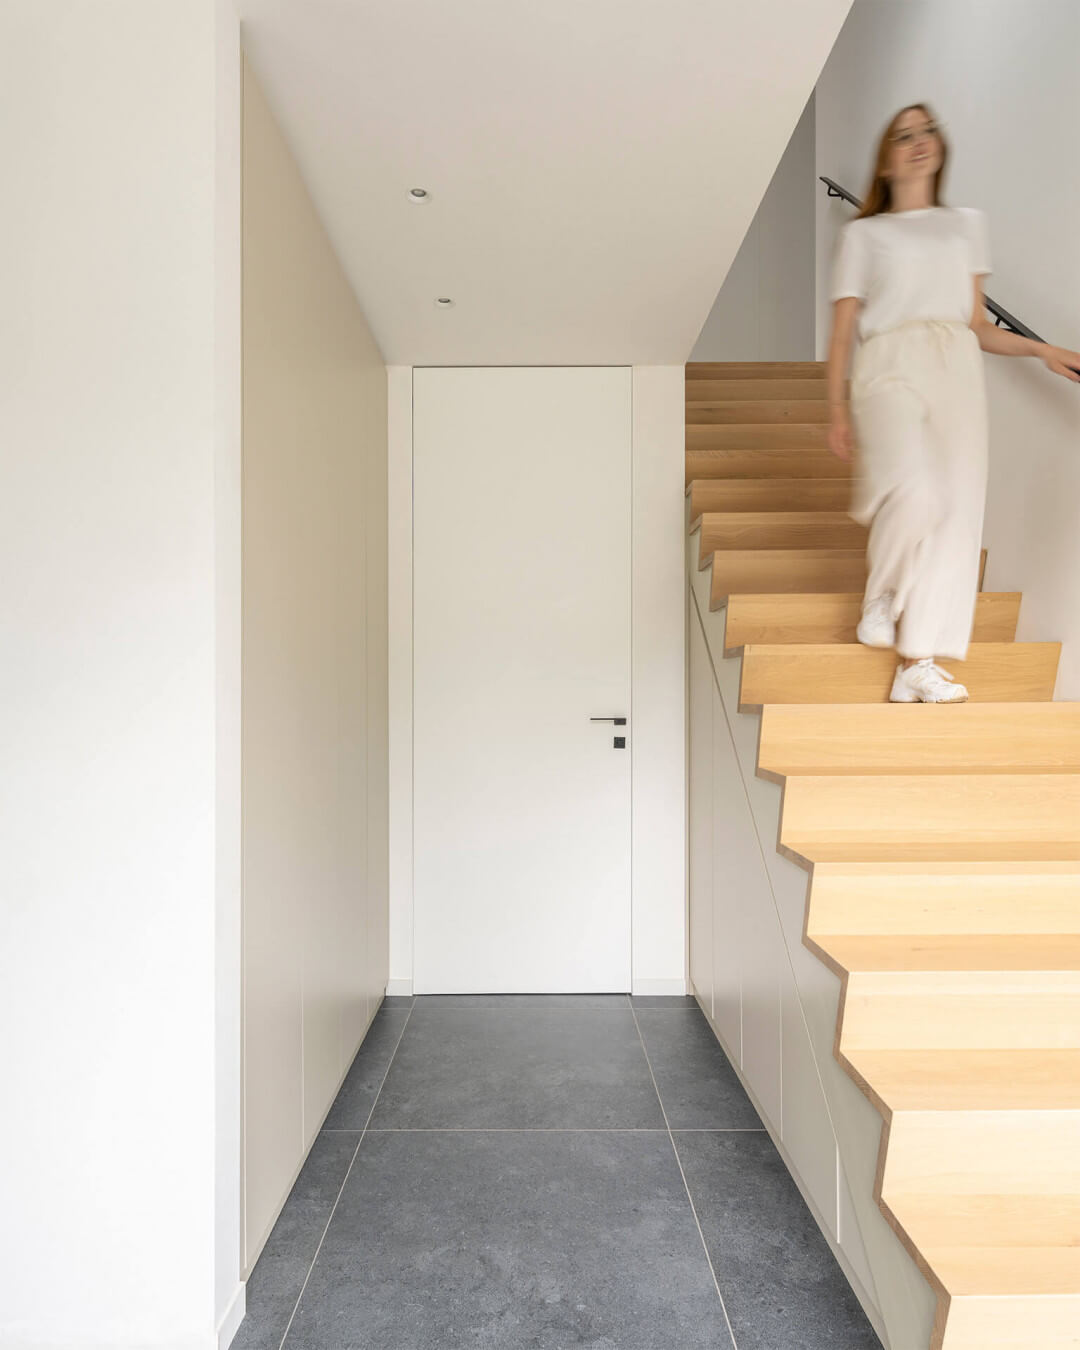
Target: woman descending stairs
<point>943,844</point>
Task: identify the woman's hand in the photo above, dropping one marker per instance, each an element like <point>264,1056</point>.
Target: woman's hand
<point>841,438</point>
<point>1062,362</point>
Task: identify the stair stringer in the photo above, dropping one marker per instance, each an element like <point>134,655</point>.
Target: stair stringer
<point>829,1134</point>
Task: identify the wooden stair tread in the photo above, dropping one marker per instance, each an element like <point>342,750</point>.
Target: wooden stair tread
<point>969,1080</point>
<point>784,570</point>
<point>946,897</point>
<point>741,370</point>
<point>953,951</point>
<point>755,412</point>
<point>767,494</point>
<point>740,388</point>
<point>808,618</point>
<point>725,531</point>
<point>912,738</point>
<point>1002,1269</point>
<point>994,672</point>
<point>960,1010</point>
<point>914,816</point>
<point>989,1220</point>
<point>729,462</point>
<point>758,436</point>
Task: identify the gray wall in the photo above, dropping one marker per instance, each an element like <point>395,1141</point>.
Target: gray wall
<point>765,308</point>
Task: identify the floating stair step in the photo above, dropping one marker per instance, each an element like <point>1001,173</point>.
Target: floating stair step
<point>849,818</point>
<point>951,951</point>
<point>1028,1157</point>
<point>1010,1314</point>
<point>764,463</point>
<point>790,572</point>
<point>968,1080</point>
<point>755,411</point>
<point>945,898</point>
<point>759,436</point>
<point>755,370</point>
<point>734,531</point>
<point>742,390</point>
<point>960,1010</point>
<point>995,672</point>
<point>803,618</point>
<point>947,1220</point>
<point>784,570</point>
<point>914,738</point>
<point>779,494</point>
<point>1007,1269</point>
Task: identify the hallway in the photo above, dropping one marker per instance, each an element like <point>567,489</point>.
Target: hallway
<point>546,1171</point>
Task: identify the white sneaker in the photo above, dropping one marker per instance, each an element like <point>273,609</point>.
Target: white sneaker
<point>877,627</point>
<point>926,683</point>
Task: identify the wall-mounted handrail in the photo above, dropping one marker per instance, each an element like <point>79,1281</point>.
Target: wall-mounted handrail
<point>1002,317</point>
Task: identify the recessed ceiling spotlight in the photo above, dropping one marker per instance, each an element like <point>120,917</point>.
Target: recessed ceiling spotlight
<point>419,195</point>
<point>444,302</point>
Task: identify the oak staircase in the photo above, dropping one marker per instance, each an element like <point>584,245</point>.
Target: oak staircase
<point>943,846</point>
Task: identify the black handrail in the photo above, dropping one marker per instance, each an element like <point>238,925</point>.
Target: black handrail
<point>1002,317</point>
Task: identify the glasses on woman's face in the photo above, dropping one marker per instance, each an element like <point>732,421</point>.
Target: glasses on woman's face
<point>909,135</point>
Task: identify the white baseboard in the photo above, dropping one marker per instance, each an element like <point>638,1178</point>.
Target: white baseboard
<point>234,1315</point>
<point>401,988</point>
<point>652,988</point>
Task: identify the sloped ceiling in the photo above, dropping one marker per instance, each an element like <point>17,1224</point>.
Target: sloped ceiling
<point>593,164</point>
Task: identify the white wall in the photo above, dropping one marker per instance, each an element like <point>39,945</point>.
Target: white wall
<point>765,308</point>
<point>314,671</point>
<point>118,552</point>
<point>658,880</point>
<point>1002,77</point>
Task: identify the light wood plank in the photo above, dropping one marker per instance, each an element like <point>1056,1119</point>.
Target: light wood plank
<point>831,618</point>
<point>1006,1270</point>
<point>704,390</point>
<point>752,436</point>
<point>728,463</point>
<point>964,897</point>
<point>756,412</point>
<point>995,672</point>
<point>912,817</point>
<point>789,570</point>
<point>985,1010</point>
<point>754,370</point>
<point>913,738</point>
<point>968,1080</point>
<point>781,494</point>
<point>952,951</point>
<point>736,530</point>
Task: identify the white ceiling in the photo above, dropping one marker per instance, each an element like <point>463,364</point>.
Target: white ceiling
<point>593,164</point>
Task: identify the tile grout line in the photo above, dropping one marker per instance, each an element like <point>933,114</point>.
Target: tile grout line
<point>550,1129</point>
<point>686,1184</point>
<point>344,1183</point>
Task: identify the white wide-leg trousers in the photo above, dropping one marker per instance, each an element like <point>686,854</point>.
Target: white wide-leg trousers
<point>918,402</point>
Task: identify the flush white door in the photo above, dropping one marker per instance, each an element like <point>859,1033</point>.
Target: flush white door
<point>521,608</point>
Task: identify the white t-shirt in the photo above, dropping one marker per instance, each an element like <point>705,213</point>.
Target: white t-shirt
<point>908,265</point>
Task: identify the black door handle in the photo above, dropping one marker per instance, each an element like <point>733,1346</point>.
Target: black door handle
<point>619,721</point>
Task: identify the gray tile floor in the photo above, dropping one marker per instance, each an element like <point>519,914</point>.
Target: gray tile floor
<point>542,1172</point>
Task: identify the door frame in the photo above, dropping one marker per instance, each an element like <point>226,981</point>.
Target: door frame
<point>658,826</point>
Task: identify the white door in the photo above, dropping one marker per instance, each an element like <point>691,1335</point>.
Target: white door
<point>521,637</point>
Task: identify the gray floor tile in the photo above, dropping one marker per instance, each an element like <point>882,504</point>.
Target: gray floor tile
<point>396,1003</point>
<point>354,1101</point>
<point>504,1002</point>
<point>274,1285</point>
<point>780,1282</point>
<point>512,1241</point>
<point>522,1068</point>
<point>652,1002</point>
<point>699,1088</point>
